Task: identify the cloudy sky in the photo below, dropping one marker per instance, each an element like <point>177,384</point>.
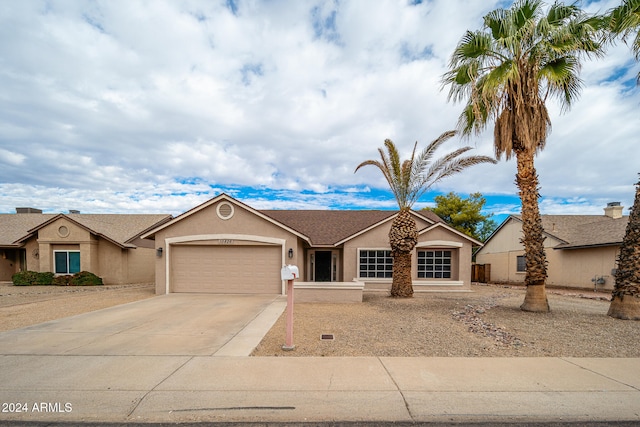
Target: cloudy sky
<point>156,106</point>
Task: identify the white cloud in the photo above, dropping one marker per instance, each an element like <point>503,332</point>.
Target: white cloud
<point>157,106</point>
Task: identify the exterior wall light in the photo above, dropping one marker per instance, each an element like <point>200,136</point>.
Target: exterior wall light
<point>159,252</point>
<point>290,252</point>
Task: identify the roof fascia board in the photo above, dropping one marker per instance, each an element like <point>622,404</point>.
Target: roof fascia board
<point>514,218</point>
<point>507,219</point>
<point>59,216</point>
<point>453,230</point>
<point>546,233</point>
<point>223,196</point>
<point>32,231</point>
<point>365,230</point>
<point>412,212</point>
<point>157,224</point>
<point>422,217</point>
<point>595,245</point>
<point>183,215</point>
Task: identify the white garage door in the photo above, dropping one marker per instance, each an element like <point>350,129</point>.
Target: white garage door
<point>226,269</point>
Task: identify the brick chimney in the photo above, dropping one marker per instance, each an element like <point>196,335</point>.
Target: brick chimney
<point>613,210</point>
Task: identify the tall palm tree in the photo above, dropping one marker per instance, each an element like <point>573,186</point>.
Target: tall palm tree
<point>624,21</point>
<point>505,73</point>
<point>408,181</point>
<point>625,299</point>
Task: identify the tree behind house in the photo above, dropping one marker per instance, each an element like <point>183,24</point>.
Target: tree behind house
<point>465,215</point>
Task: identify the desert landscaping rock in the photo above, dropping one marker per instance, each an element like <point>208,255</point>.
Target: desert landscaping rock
<point>484,323</point>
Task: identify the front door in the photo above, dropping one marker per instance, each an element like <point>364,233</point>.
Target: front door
<point>322,269</point>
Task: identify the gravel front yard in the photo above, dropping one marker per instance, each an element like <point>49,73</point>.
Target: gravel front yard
<point>484,323</point>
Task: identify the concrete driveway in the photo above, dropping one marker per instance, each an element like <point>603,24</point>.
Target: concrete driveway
<point>174,324</point>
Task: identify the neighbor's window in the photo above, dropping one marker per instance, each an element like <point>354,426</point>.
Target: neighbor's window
<point>67,262</point>
<point>434,264</point>
<point>521,263</point>
<point>376,264</point>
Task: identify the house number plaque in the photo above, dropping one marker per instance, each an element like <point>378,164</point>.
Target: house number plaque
<point>226,241</point>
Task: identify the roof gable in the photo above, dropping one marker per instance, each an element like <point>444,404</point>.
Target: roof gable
<point>14,226</point>
<point>316,227</point>
<point>577,231</point>
<point>329,227</point>
<point>151,233</point>
<point>452,230</point>
<point>119,229</point>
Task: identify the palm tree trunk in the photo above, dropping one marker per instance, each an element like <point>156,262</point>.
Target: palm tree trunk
<point>625,298</point>
<point>532,234</point>
<point>402,286</point>
<point>403,237</point>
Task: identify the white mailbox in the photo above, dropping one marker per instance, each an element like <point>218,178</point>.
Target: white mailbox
<point>289,272</point>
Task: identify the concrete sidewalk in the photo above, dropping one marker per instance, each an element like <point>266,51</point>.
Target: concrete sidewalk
<point>75,388</point>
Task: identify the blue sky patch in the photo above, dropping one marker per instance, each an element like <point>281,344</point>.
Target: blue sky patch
<point>324,26</point>
<point>232,5</point>
<point>249,72</point>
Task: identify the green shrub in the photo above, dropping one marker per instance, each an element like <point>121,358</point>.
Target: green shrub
<point>44,278</point>
<point>85,278</point>
<point>29,278</point>
<point>24,278</point>
<point>64,280</point>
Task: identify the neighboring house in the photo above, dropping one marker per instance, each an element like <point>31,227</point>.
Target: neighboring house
<point>581,250</point>
<point>225,246</point>
<point>104,244</point>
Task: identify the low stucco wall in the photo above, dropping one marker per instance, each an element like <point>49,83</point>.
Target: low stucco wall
<point>423,286</point>
<point>331,292</point>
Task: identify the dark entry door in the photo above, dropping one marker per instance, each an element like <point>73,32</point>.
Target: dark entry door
<point>322,271</point>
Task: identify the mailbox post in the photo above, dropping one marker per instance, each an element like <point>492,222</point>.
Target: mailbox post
<point>289,273</point>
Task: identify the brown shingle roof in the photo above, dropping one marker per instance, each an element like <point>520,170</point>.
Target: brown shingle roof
<point>327,227</point>
<point>578,231</point>
<point>15,226</point>
<point>605,232</point>
<point>120,228</point>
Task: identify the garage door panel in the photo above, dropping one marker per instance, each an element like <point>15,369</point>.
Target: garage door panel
<point>226,269</point>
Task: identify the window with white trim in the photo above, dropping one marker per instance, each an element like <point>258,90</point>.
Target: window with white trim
<point>521,264</point>
<point>375,264</point>
<point>66,262</point>
<point>434,264</point>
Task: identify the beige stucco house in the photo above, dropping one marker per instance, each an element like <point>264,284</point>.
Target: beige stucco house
<point>107,245</point>
<point>226,246</point>
<point>581,250</point>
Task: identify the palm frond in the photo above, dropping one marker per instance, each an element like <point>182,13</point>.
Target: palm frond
<point>414,176</point>
<point>528,52</point>
<point>624,21</point>
<point>458,165</point>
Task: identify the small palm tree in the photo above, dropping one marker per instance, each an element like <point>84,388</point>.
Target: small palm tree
<point>408,181</point>
<point>505,73</point>
<point>625,299</point>
<point>624,21</point>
